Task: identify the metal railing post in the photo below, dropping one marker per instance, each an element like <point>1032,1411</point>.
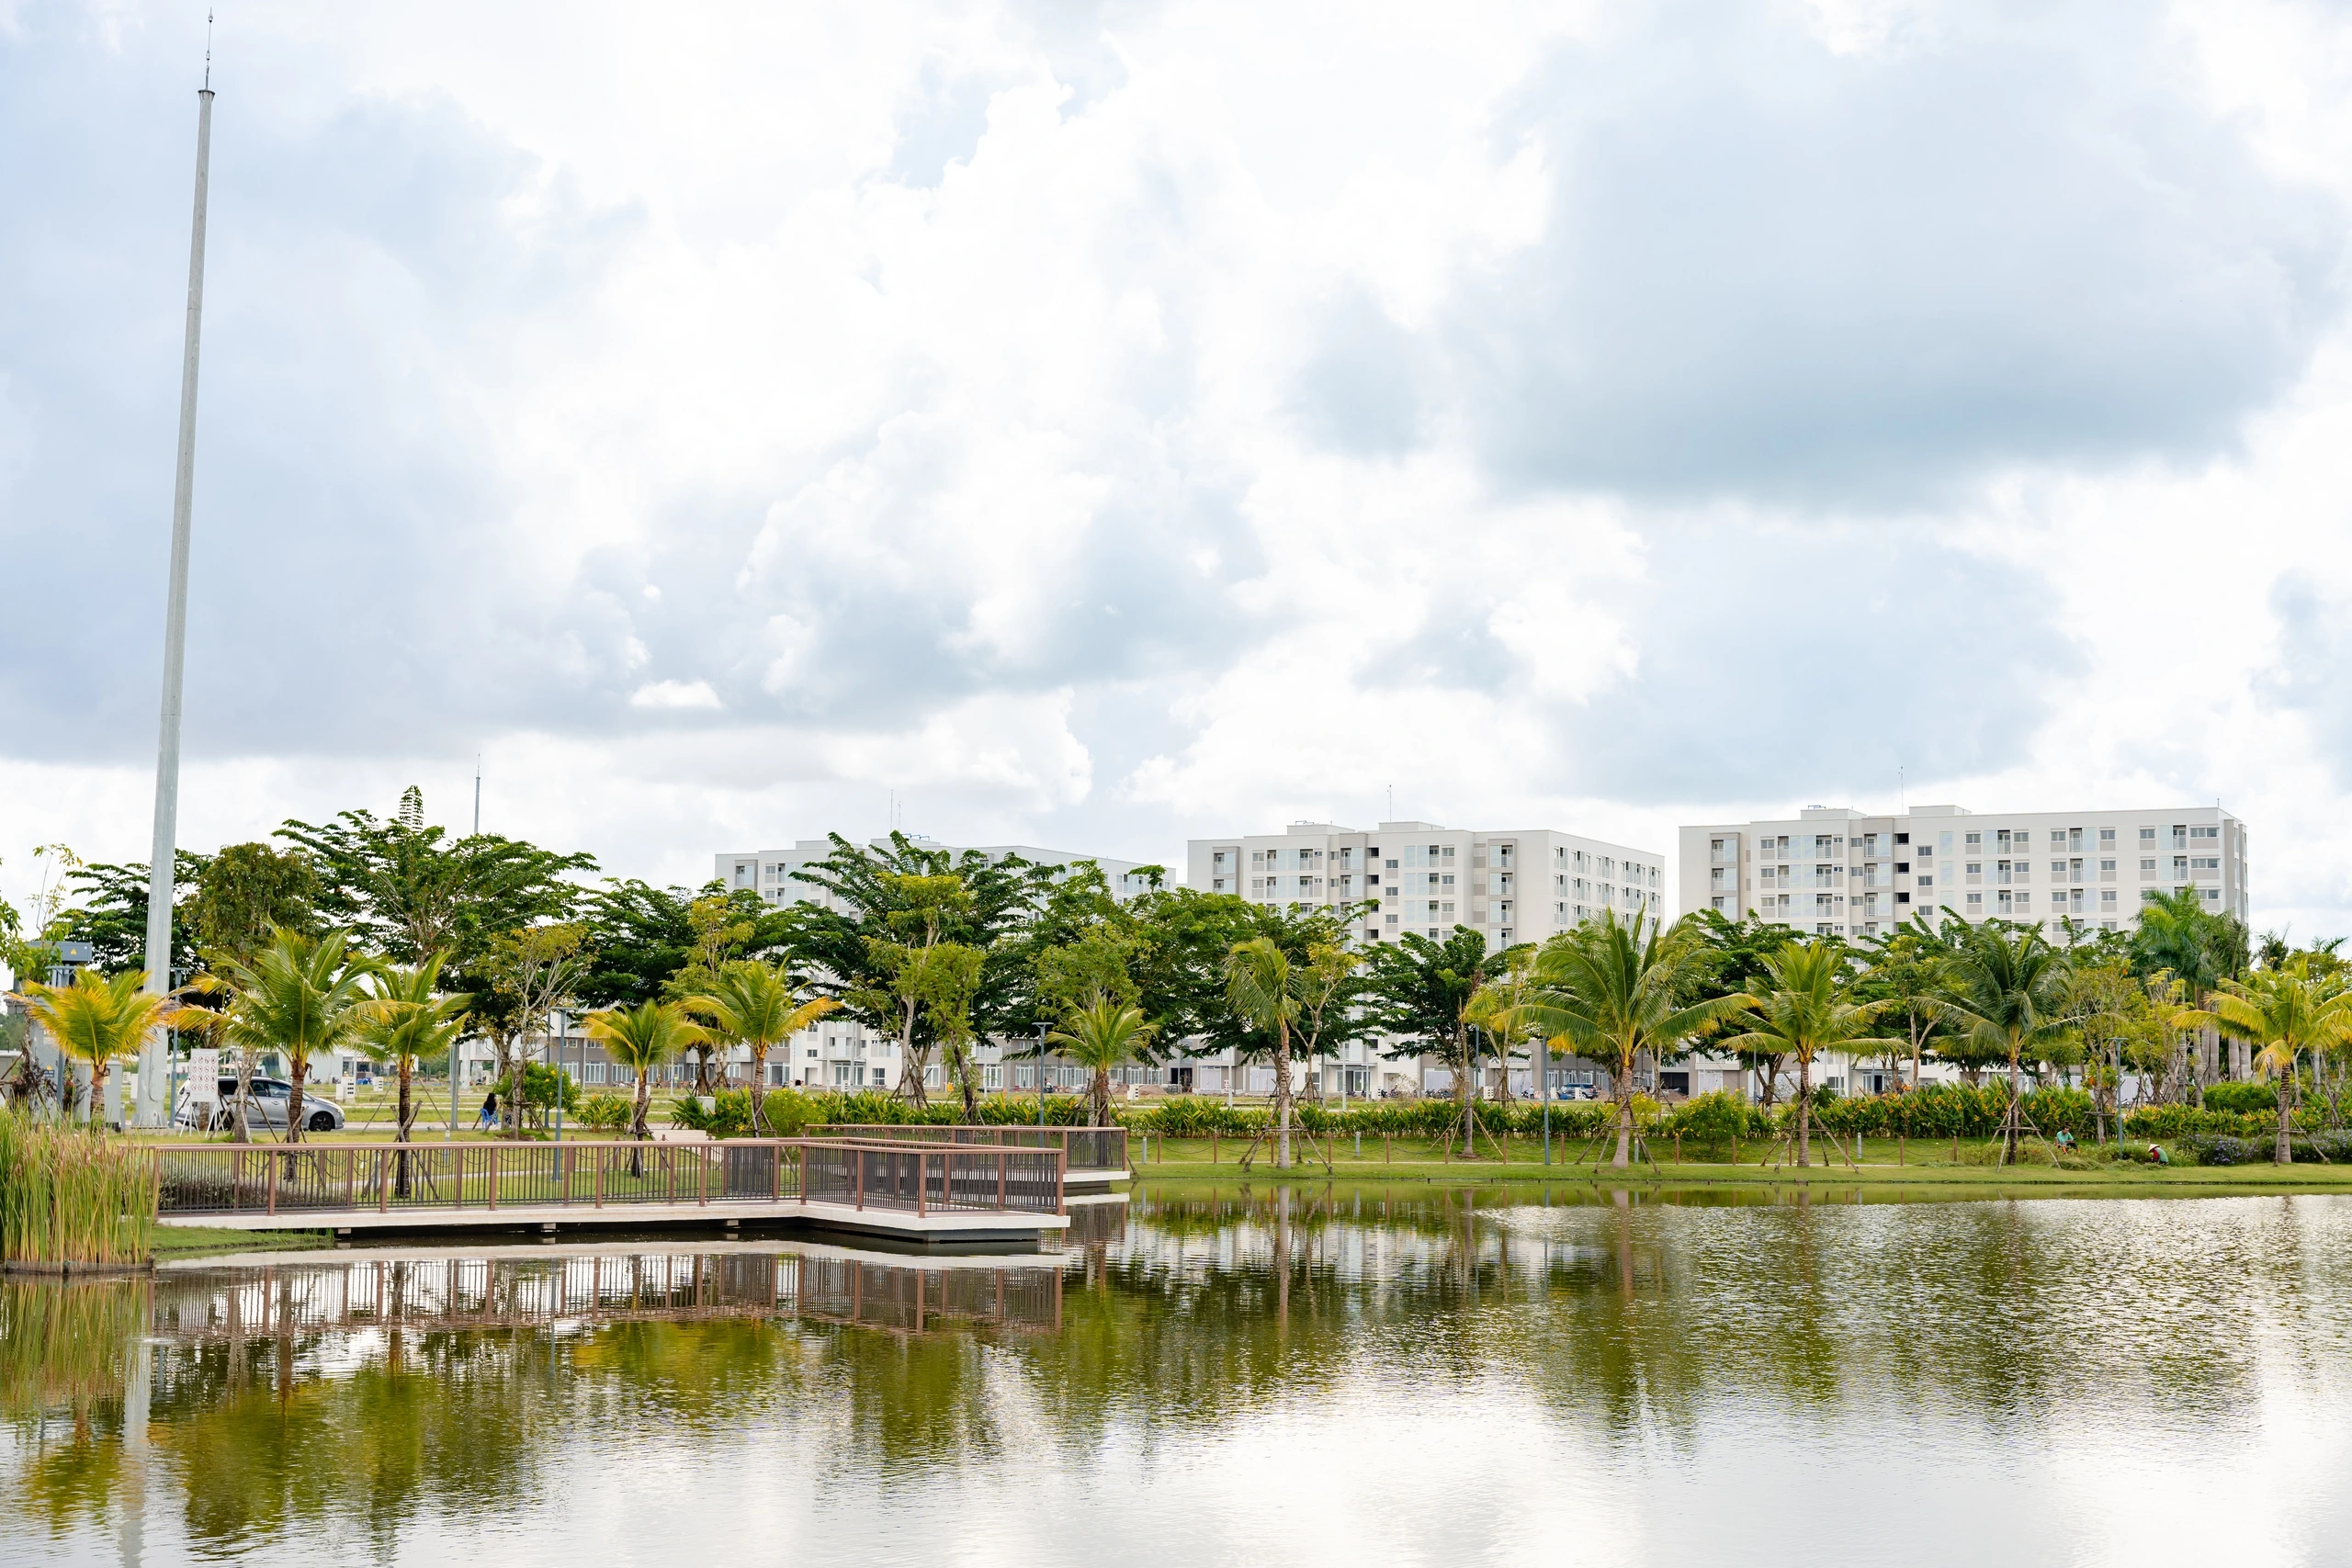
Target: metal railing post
<point>857,1165</point>
<point>1062,1181</point>
<point>922,1183</point>
<point>493,1176</point>
<point>273,1185</point>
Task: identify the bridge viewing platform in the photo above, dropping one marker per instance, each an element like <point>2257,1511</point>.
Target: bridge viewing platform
<point>929,1193</point>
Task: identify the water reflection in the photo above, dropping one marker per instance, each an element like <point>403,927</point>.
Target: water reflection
<point>1652,1376</point>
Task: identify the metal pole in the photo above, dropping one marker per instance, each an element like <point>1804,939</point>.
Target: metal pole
<point>451,1130</point>
<point>1041,1075</point>
<point>556,1045</point>
<point>160,867</point>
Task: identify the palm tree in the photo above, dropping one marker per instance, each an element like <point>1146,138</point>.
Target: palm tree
<point>753,1004</point>
<point>2284,1012</point>
<point>2009,993</point>
<point>300,995</point>
<point>1609,990</point>
<point>407,1020</point>
<point>1803,1011</point>
<point>99,1020</point>
<point>641,1038</point>
<point>1104,1034</point>
<point>1258,985</point>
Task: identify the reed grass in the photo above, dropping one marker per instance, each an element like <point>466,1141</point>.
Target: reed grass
<point>72,1199</point>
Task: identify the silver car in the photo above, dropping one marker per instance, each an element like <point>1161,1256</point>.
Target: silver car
<point>265,1109</point>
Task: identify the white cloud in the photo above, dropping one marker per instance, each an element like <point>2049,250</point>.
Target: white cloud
<point>1093,425</point>
<point>675,695</point>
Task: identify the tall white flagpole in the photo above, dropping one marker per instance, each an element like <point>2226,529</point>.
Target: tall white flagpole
<point>150,1110</point>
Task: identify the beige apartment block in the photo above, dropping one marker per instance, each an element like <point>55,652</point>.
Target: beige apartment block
<point>1508,885</point>
<point>1841,872</point>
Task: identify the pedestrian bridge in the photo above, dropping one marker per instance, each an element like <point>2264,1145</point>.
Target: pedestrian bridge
<point>929,1192</point>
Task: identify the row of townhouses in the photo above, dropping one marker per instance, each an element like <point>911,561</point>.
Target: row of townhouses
<point>1835,871</point>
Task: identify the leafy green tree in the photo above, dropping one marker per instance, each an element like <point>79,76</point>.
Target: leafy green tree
<point>641,1039</point>
<point>300,997</point>
<point>524,974</point>
<point>248,891</point>
<point>1260,984</point>
<point>410,1018</point>
<point>884,900</point>
<point>1804,1009</point>
<point>2011,993</point>
<point>1101,1036</point>
<point>758,1005</point>
<point>110,912</point>
<point>2176,935</point>
<point>640,936</point>
<point>1420,989</point>
<point>1609,991</point>
<point>2284,1012</point>
<point>1907,971</point>
<point>407,890</point>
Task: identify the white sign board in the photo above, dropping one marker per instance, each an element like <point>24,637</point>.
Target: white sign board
<point>204,1076</point>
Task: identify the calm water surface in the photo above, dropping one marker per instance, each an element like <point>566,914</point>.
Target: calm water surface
<point>1317,1375</point>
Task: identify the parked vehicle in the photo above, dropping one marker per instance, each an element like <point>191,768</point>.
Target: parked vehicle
<point>265,1109</point>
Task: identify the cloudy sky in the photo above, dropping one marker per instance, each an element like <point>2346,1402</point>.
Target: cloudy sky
<point>1094,425</point>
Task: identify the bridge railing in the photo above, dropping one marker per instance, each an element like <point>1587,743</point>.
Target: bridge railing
<point>933,1177</point>
<point>1088,1148</point>
<point>276,1178</point>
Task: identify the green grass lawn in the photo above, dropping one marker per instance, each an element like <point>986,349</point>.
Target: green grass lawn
<point>1920,1163</point>
<point>193,1241</point>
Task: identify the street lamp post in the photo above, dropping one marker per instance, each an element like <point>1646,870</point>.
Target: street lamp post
<point>555,1045</point>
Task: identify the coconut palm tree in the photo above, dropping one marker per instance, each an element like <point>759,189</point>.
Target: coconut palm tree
<point>300,996</point>
<point>1104,1034</point>
<point>408,1019</point>
<point>1802,1010</point>
<point>757,1005</point>
<point>1258,983</point>
<point>2284,1012</point>
<point>98,1020</point>
<point>641,1038</point>
<point>2010,991</point>
<point>1611,989</point>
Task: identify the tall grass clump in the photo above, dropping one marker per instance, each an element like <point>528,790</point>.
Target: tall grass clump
<point>63,1342</point>
<point>73,1199</point>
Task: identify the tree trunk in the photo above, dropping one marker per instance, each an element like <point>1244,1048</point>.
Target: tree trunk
<point>1102,1094</point>
<point>2284,1154</point>
<point>1466,1091</point>
<point>636,1127</point>
<point>244,1097</point>
<point>1282,1098</point>
<point>759,1086</point>
<point>967,1080</point>
<point>98,1090</point>
<point>407,1114</point>
<point>294,1100</point>
<point>1624,1094</point>
<point>2016,1110</point>
<point>1804,1112</point>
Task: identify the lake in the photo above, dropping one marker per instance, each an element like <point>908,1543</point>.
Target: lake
<point>1295,1376</point>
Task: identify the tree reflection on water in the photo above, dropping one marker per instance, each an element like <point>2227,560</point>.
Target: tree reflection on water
<point>350,1396</point>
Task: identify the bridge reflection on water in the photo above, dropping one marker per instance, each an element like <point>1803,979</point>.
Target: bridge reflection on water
<point>412,1290</point>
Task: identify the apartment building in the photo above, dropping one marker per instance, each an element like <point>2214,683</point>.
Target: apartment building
<point>1508,885</point>
<point>1841,872</point>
